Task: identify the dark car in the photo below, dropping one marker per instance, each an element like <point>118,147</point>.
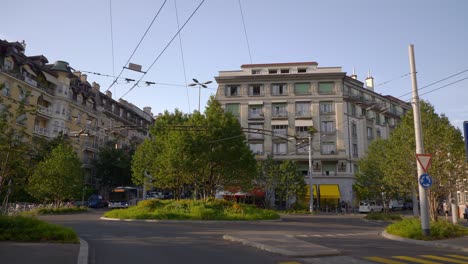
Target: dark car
<point>96,201</point>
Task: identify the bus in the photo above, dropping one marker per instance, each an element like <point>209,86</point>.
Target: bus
<point>123,197</point>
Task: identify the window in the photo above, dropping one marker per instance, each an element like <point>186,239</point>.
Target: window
<point>327,126</point>
<point>303,109</point>
<point>329,168</point>
<point>79,98</point>
<point>78,119</point>
<point>378,133</point>
<point>301,88</point>
<point>354,129</point>
<point>302,148</point>
<point>56,126</point>
<point>279,110</point>
<point>280,131</point>
<point>232,90</point>
<point>279,89</point>
<point>233,109</point>
<point>370,133</point>
<point>352,110</point>
<point>6,89</point>
<point>256,71</point>
<point>328,148</point>
<point>256,131</point>
<point>377,118</point>
<point>7,64</point>
<point>272,71</point>
<point>280,148</point>
<point>255,90</point>
<point>302,131</point>
<point>325,87</point>
<point>113,107</point>
<point>363,112</point>
<point>355,150</point>
<point>326,107</point>
<point>284,70</point>
<point>255,111</point>
<point>58,106</point>
<point>256,148</point>
<point>301,70</point>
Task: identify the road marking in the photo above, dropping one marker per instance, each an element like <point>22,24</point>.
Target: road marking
<point>445,259</point>
<point>290,262</point>
<point>382,260</point>
<point>416,260</point>
<point>336,235</point>
<point>457,256</point>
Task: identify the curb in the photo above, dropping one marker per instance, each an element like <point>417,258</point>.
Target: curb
<point>288,253</point>
<point>83,255</point>
<point>422,242</point>
<point>188,221</point>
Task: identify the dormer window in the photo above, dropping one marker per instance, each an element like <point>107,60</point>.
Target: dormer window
<point>284,70</point>
<point>272,71</point>
<point>256,71</point>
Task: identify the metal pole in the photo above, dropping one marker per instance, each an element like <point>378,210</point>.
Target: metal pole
<point>311,188</point>
<point>419,144</point>
<point>199,93</point>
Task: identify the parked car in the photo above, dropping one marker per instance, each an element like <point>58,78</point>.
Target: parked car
<point>396,205</point>
<point>370,207</point>
<point>96,201</point>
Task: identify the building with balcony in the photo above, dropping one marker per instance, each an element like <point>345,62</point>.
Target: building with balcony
<point>62,100</point>
<point>284,99</point>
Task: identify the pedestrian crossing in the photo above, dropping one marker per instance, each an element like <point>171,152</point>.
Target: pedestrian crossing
<point>423,259</point>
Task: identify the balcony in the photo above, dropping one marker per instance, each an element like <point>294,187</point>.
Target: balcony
<point>254,135</point>
<point>256,115</point>
<point>45,111</point>
<point>280,133</point>
<point>41,131</point>
<point>279,114</point>
<point>302,134</point>
<point>303,114</point>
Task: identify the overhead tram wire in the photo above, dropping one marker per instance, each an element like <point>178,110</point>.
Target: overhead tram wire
<point>245,31</point>
<point>394,79</point>
<point>182,55</point>
<point>165,48</point>
<point>112,38</point>
<point>444,86</point>
<point>141,40</point>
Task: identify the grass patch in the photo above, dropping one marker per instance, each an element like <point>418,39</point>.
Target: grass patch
<point>30,229</point>
<point>192,210</point>
<point>411,228</point>
<point>383,216</point>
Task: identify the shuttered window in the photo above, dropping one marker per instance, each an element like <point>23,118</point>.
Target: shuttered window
<point>325,88</point>
<point>233,109</point>
<point>302,88</point>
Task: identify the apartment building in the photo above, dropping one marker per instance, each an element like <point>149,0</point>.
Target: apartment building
<point>63,101</point>
<point>282,100</point>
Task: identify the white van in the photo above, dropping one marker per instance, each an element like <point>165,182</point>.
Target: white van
<point>370,207</point>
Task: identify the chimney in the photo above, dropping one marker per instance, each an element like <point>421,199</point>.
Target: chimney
<point>77,74</point>
<point>369,82</point>
<point>354,76</point>
<point>147,110</point>
<point>108,93</point>
<point>23,43</point>
<point>84,77</point>
<point>96,86</point>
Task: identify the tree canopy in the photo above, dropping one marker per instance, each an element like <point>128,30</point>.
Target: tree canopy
<point>390,165</point>
<point>198,152</point>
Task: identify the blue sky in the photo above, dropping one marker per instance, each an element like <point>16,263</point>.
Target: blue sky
<point>365,35</point>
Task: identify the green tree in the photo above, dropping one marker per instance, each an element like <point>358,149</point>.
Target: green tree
<point>59,177</point>
<point>113,166</point>
<point>396,166</point>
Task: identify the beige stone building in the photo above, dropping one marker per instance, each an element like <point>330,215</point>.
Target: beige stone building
<point>283,99</point>
<point>63,101</point>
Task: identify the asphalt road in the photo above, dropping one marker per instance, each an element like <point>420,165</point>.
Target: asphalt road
<point>195,242</point>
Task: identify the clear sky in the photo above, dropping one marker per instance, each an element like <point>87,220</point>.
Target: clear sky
<point>361,34</point>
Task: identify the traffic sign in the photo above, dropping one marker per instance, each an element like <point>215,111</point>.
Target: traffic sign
<point>425,180</point>
<point>424,160</point>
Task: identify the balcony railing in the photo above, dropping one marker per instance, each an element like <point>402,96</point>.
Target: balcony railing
<point>256,115</point>
<point>279,113</point>
<point>303,114</point>
<point>44,110</point>
<point>41,130</point>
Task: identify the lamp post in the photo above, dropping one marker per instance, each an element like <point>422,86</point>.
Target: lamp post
<point>200,85</point>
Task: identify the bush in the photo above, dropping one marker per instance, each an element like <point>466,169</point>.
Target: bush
<point>30,229</point>
<point>411,228</point>
<point>192,210</point>
<point>383,216</point>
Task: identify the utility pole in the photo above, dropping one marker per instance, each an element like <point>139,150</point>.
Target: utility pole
<point>311,188</point>
<point>426,231</point>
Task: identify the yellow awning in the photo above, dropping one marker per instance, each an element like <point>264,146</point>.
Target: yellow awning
<point>329,191</point>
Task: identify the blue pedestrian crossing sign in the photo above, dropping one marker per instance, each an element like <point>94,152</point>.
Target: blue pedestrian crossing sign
<point>425,180</point>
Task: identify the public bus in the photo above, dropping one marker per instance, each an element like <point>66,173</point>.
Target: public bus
<point>123,197</point>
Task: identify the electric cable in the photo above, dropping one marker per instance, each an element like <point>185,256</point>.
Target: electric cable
<point>165,48</point>
<point>182,55</point>
<point>245,31</point>
<point>138,45</point>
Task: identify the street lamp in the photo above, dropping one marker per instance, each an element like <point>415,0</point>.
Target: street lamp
<point>200,85</point>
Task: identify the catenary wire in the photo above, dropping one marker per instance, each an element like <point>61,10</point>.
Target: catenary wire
<point>245,31</point>
<point>165,48</point>
<point>138,45</point>
<point>182,55</point>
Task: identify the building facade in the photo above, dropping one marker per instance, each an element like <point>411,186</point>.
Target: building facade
<point>282,100</point>
<point>61,100</point>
